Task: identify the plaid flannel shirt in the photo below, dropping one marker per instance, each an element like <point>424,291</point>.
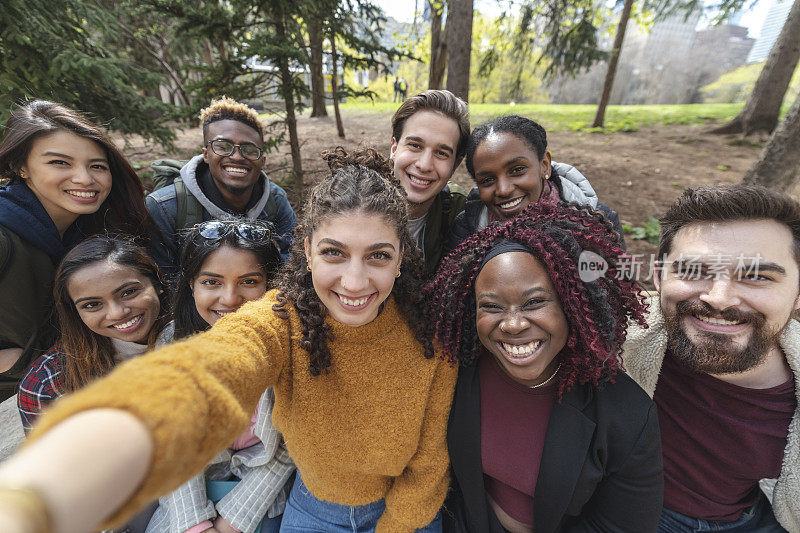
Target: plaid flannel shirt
<point>40,387</point>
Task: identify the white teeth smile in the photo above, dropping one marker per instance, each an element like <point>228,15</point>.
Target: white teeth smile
<point>353,303</point>
<point>236,170</point>
<point>418,181</point>
<point>512,203</point>
<point>717,321</point>
<point>81,194</point>
<point>521,350</point>
<point>129,323</point>
<point>222,313</point>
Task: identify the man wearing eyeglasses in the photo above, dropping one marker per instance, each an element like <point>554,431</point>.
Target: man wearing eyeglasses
<point>225,182</point>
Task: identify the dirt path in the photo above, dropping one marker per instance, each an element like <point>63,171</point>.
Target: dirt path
<point>636,173</point>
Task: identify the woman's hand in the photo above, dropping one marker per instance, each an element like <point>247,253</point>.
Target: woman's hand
<point>222,526</point>
<point>84,469</point>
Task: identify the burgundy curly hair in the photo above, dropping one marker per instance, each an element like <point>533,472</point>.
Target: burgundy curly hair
<point>360,181</point>
<point>597,311</point>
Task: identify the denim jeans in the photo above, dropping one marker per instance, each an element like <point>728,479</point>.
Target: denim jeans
<point>756,519</point>
<point>306,513</point>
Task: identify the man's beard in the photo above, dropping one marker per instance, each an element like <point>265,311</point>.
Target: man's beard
<point>237,191</point>
<point>717,353</point>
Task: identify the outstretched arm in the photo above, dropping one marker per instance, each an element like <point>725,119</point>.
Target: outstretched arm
<point>193,397</point>
<point>102,451</point>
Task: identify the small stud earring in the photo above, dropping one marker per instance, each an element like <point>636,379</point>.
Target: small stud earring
<point>308,268</point>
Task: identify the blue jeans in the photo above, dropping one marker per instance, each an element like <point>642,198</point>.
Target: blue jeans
<point>306,513</point>
<point>215,490</point>
<point>756,519</point>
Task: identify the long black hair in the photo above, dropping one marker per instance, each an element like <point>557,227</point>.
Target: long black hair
<point>194,251</point>
<point>123,211</point>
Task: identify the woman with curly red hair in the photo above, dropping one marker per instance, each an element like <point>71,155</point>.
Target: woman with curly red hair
<point>546,433</point>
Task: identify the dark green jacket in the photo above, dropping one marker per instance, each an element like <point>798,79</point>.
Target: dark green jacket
<point>439,225</point>
<point>26,287</point>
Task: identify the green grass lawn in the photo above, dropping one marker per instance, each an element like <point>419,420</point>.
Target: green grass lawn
<point>579,117</point>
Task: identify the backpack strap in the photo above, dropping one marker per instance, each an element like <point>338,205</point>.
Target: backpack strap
<point>453,199</point>
<point>447,213</point>
<point>189,212</point>
<point>165,171</point>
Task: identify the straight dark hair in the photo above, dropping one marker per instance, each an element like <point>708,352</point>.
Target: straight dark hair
<point>123,211</point>
<point>87,355</point>
<point>194,252</point>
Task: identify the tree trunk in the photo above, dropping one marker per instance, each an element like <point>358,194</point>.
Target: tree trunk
<point>599,118</point>
<point>763,106</point>
<point>287,91</point>
<point>335,86</point>
<point>315,65</point>
<point>207,50</point>
<point>778,166</point>
<point>459,47</point>
<point>438,46</point>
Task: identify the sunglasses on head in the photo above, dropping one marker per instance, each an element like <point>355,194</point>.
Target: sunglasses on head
<point>250,231</point>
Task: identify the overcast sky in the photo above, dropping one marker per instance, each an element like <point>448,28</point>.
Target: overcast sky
<point>403,10</point>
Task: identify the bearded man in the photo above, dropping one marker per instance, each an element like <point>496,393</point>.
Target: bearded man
<point>721,359</point>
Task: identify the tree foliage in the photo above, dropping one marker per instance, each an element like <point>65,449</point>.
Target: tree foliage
<point>734,87</point>
<point>499,73</point>
<point>59,50</point>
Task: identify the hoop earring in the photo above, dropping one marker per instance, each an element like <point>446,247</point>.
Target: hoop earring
<point>308,268</point>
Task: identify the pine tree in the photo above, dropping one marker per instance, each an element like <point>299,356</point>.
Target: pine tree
<point>65,58</point>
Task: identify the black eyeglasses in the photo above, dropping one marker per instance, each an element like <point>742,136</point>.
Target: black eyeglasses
<point>256,231</point>
<point>225,148</point>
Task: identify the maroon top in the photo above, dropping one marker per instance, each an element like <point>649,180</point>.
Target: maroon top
<point>718,439</point>
<point>514,421</point>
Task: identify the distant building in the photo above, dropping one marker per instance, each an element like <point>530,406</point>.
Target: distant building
<point>717,50</point>
<point>668,65</point>
<point>653,58</point>
<point>728,44</point>
<point>773,24</point>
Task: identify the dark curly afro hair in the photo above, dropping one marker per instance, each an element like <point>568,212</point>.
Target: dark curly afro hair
<point>597,311</point>
<point>360,181</point>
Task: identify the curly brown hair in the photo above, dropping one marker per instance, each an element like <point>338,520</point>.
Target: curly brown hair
<point>360,181</point>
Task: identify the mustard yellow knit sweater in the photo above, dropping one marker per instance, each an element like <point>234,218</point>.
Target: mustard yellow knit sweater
<point>373,427</point>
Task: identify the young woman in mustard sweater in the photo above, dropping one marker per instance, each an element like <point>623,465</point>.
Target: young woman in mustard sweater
<point>361,396</point>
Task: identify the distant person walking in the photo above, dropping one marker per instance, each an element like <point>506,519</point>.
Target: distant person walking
<point>397,92</point>
<point>403,86</point>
